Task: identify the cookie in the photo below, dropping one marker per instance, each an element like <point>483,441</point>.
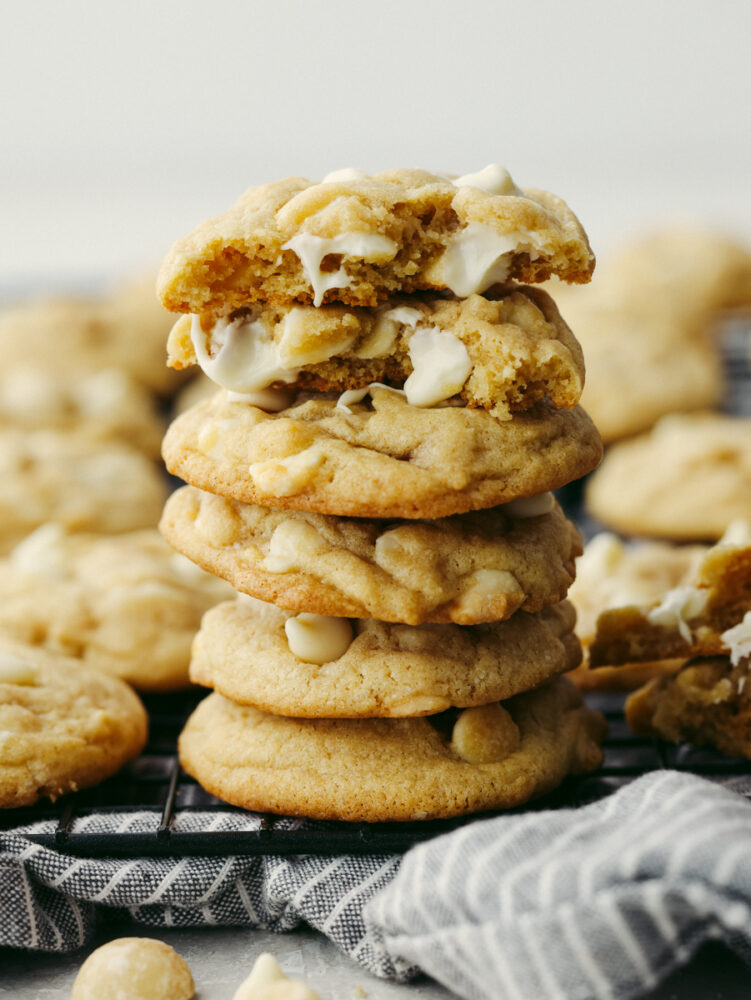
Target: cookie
<point>689,620</point>
<point>694,272</point>
<point>125,604</point>
<point>643,360</point>
<point>309,666</point>
<point>125,330</point>
<point>379,459</point>
<point>685,480</point>
<point>494,757</point>
<point>84,485</point>
<point>104,405</point>
<point>358,238</point>
<point>63,725</point>
<point>466,569</point>
<point>612,574</point>
<point>134,969</point>
<point>707,703</point>
<point>502,353</point>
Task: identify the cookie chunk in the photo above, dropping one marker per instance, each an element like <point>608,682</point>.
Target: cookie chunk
<point>494,757</point>
<point>707,703</point>
<point>690,620</point>
<point>314,666</point>
<point>503,352</point>
<point>686,480</point>
<point>612,574</point>
<point>125,604</point>
<point>358,238</point>
<point>125,330</point>
<point>83,485</point>
<point>63,725</point>
<point>468,568</point>
<point>105,405</point>
<point>134,969</point>
<point>380,459</point>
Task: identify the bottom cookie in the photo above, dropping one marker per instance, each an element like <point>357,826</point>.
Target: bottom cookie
<point>494,757</point>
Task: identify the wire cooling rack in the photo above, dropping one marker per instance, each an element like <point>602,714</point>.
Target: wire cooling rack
<point>162,800</point>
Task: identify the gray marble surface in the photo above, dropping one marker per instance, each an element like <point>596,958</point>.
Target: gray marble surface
<point>221,958</point>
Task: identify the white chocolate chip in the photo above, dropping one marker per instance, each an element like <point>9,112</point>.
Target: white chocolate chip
<point>477,257</point>
<point>738,640</point>
<point>677,607</point>
<point>42,553</point>
<point>380,340</point>
<point>737,534</point>
<point>441,366</point>
<point>318,638</point>
<point>267,982</point>
<point>270,400</point>
<point>494,179</point>
<point>344,175</point>
<point>284,477</point>
<point>311,251</point>
<point>291,543</point>
<point>14,670</point>
<point>535,506</point>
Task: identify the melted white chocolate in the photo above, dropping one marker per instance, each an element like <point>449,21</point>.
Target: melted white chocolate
<point>478,257</point>
<point>245,359</point>
<point>494,179</point>
<point>311,251</point>
<point>283,477</point>
<point>318,638</point>
<point>344,175</point>
<point>441,366</point>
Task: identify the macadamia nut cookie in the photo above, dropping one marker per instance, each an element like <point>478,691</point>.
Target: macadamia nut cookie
<point>83,485</point>
<point>503,352</point>
<point>314,666</point>
<point>469,568</point>
<point>701,617</point>
<point>63,725</point>
<point>105,405</point>
<point>383,458</point>
<point>686,480</point>
<point>125,330</point>
<point>494,757</point>
<point>125,604</point>
<point>357,238</point>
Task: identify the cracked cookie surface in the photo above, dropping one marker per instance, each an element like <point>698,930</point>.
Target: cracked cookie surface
<point>466,569</point>
<point>385,459</point>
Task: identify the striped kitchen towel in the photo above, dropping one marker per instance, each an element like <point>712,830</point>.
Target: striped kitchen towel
<point>597,902</point>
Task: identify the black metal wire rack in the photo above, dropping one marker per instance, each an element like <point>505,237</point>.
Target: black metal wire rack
<point>155,791</point>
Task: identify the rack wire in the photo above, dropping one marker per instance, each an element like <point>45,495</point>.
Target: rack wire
<point>159,796</point>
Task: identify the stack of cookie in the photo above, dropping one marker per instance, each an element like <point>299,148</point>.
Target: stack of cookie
<point>374,478</point>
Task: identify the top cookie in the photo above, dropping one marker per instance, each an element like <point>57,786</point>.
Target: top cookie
<point>358,238</point>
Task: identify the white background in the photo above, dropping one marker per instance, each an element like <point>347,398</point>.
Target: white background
<point>124,124</point>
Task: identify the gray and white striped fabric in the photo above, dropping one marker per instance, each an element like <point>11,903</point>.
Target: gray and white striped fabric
<point>597,902</point>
